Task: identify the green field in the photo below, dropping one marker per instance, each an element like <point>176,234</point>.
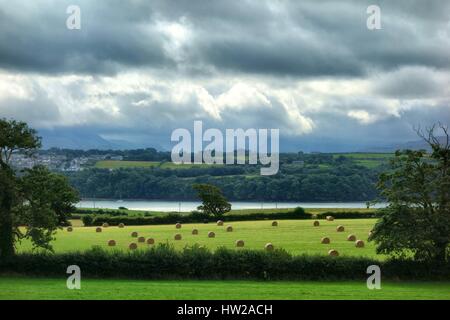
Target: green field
<point>295,236</point>
<point>362,155</point>
<point>46,289</point>
<point>368,160</point>
<point>117,164</point>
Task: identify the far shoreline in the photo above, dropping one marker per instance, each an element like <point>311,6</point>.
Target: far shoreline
<point>187,206</point>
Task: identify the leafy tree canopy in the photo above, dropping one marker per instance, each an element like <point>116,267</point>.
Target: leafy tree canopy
<point>213,201</point>
<point>36,202</point>
<point>417,220</point>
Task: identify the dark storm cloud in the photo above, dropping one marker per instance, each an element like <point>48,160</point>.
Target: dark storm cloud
<point>412,82</point>
<point>34,37</point>
<point>138,69</point>
<point>298,38</point>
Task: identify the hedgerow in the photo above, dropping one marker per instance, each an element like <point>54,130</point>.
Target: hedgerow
<point>164,262</point>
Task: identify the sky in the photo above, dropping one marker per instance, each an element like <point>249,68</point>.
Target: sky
<point>137,70</point>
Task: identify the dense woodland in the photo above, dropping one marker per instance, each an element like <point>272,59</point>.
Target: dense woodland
<point>302,177</point>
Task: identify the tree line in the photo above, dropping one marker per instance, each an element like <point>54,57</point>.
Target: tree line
<point>343,182</point>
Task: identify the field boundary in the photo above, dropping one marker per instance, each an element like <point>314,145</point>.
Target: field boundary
<point>164,262</point>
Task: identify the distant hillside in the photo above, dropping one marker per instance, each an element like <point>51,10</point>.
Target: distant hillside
<point>60,138</point>
<point>81,140</point>
<point>413,145</point>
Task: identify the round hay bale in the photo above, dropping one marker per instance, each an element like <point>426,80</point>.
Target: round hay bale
<point>351,237</point>
<point>178,226</point>
<point>275,224</point>
<point>177,237</point>
<point>330,218</point>
<point>134,234</point>
<point>359,244</point>
<point>98,229</point>
<point>269,247</point>
<point>333,253</point>
<point>316,223</point>
<point>325,240</point>
<point>211,234</point>
<point>194,232</point>
<point>111,243</point>
<point>69,229</point>
<point>340,229</point>
<point>220,223</point>
<point>239,243</point>
<point>141,239</point>
<point>370,233</point>
<point>133,246</point>
<point>150,241</point>
<point>230,229</point>
<point>121,225</point>
<point>105,225</point>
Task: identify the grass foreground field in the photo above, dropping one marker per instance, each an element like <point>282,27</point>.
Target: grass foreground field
<point>295,236</point>
<point>47,289</point>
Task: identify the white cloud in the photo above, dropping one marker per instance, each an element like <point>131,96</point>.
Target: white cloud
<point>362,116</point>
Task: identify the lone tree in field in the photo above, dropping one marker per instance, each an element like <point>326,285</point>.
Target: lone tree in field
<point>38,200</point>
<point>417,188</point>
<point>213,201</point>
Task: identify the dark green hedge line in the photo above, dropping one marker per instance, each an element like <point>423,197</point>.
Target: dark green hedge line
<point>111,212</point>
<point>350,214</point>
<point>193,217</point>
<point>164,262</point>
<point>198,217</point>
<point>171,218</point>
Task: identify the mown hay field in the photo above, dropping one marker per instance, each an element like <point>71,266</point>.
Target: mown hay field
<point>295,236</point>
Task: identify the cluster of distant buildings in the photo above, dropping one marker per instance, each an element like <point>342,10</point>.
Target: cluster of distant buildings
<point>52,162</point>
<point>57,162</point>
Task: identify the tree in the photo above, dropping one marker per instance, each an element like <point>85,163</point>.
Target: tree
<point>37,199</point>
<point>48,200</point>
<point>417,219</point>
<point>213,201</point>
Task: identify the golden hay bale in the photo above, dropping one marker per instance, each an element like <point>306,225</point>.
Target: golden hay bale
<point>359,244</point>
<point>178,226</point>
<point>220,223</point>
<point>69,229</point>
<point>325,240</point>
<point>112,243</point>
<point>121,225</point>
<point>330,218</point>
<point>333,253</point>
<point>370,233</point>
<point>351,237</point>
<point>98,229</point>
<point>134,234</point>
<point>150,241</point>
<point>133,246</point>
<point>141,239</point>
<point>240,243</point>
<point>194,232</point>
<point>269,247</point>
<point>229,229</point>
<point>340,229</point>
<point>211,234</point>
<point>275,224</point>
<point>105,225</point>
<point>177,236</point>
<point>316,223</point>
